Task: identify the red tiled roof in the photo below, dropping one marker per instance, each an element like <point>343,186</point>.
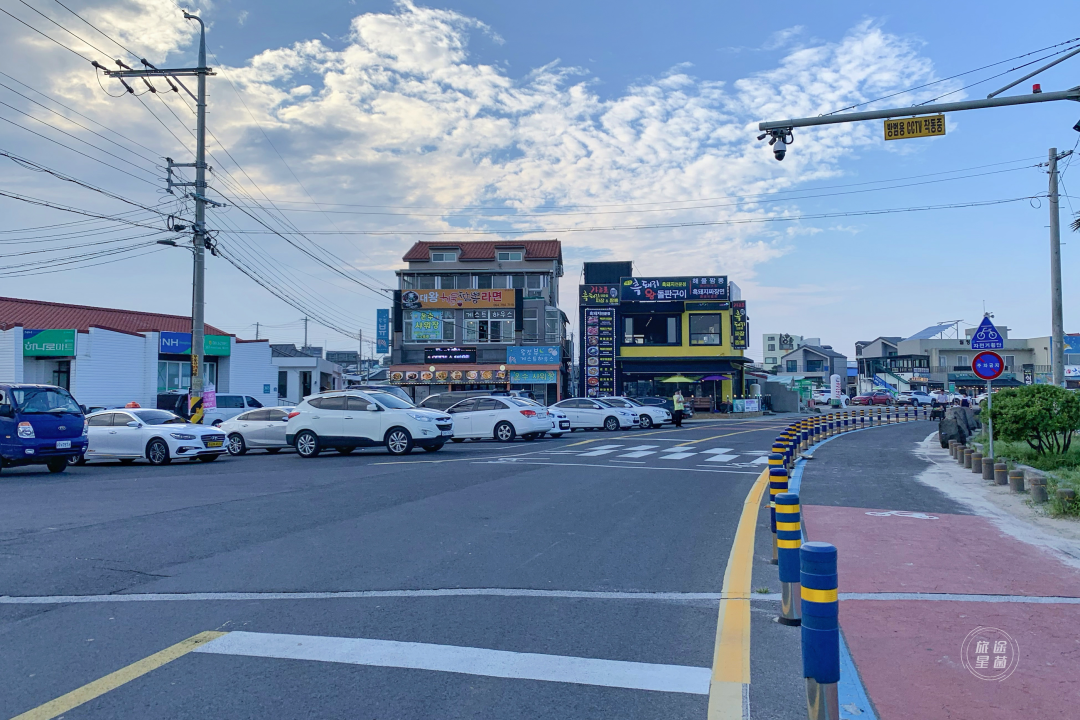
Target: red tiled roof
<point>52,316</point>
<point>534,249</point>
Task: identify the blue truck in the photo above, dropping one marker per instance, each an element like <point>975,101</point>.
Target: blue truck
<point>40,425</point>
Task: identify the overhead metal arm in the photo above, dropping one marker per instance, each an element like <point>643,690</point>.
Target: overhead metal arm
<point>1071,94</point>
<point>1033,73</point>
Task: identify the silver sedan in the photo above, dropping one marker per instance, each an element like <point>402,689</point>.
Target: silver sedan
<point>262,429</point>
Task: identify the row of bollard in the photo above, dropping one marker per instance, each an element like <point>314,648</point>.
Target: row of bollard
<point>998,472</point>
<point>808,576</point>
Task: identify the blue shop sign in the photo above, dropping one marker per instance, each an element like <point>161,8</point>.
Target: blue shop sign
<point>540,355</point>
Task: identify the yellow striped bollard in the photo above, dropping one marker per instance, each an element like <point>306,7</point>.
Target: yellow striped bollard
<point>788,541</point>
<point>778,483</point>
<point>820,629</point>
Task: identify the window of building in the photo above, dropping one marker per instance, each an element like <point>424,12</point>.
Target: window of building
<point>1010,360</point>
<point>499,282</point>
<point>282,383</point>
<point>532,325</point>
<point>651,329</point>
<point>483,282</point>
<point>962,360</point>
<point>494,331</point>
<point>534,282</point>
<point>552,326</point>
<point>176,375</point>
<point>510,256</point>
<point>444,256</point>
<point>408,282</point>
<point>943,360</point>
<point>814,365</point>
<point>770,338</point>
<point>770,361</point>
<point>425,282</point>
<point>792,366</point>
<point>772,347</point>
<point>517,282</point>
<point>61,376</point>
<point>428,325</point>
<point>705,329</point>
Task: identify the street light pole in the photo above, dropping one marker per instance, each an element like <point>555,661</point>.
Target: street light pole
<point>1057,345</point>
<point>199,238</point>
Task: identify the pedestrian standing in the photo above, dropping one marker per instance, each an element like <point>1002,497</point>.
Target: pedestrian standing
<point>678,405</point>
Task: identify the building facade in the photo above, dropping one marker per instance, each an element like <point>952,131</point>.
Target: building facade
<point>817,363</point>
<point>480,315</point>
<point>773,347</point>
<point>637,331</point>
<point>108,357</point>
<point>302,372</point>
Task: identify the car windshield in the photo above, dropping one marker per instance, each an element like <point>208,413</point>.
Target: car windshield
<point>633,402</point>
<point>159,417</point>
<point>391,401</point>
<point>45,400</point>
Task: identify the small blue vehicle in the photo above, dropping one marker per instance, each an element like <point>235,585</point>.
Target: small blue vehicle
<point>40,425</point>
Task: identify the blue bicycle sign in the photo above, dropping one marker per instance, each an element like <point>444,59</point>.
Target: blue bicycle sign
<point>987,337</point>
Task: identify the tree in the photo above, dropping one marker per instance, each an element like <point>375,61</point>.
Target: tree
<point>1043,416</point>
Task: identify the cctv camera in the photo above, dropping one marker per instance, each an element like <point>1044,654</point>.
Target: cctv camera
<point>779,151</point>
<point>1076,127</point>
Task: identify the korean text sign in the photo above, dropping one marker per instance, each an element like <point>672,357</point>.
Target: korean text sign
<point>740,326</point>
<point>450,299</point>
<point>382,330</point>
<point>540,355</point>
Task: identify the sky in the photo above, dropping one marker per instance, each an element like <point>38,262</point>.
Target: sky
<point>341,131</point>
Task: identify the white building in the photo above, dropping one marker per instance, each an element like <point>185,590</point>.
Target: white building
<point>300,373</point>
<point>109,357</point>
<point>775,345</point>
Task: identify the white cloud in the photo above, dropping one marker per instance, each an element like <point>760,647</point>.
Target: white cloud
<point>403,115</point>
<point>242,18</point>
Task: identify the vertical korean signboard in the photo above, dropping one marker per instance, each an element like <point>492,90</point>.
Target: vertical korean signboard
<point>382,330</point>
<point>740,326</point>
<point>599,365</point>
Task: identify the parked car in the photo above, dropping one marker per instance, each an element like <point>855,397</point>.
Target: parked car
<point>40,425</point>
<point>501,418</point>
<point>649,415</point>
<point>348,419</point>
<point>876,397</point>
<point>914,398</point>
<point>158,435</point>
<point>560,422</point>
<point>392,389</point>
<point>262,429</point>
<point>229,405</point>
<point>585,413</point>
<point>666,403</point>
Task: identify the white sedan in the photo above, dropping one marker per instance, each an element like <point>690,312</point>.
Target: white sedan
<point>257,430</point>
<point>585,413</point>
<point>158,435</point>
<point>501,418</point>
<point>649,415</point>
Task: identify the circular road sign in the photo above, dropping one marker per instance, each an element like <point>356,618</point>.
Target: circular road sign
<point>988,365</point>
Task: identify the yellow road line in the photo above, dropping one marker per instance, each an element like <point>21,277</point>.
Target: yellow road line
<point>97,688</point>
<point>731,656</point>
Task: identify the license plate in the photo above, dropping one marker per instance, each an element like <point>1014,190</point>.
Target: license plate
<point>565,425</point>
<point>447,432</point>
<point>214,443</point>
<point>63,444</point>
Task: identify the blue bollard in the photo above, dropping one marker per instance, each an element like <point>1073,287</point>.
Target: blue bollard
<point>778,483</point>
<point>788,541</point>
<point>820,629</point>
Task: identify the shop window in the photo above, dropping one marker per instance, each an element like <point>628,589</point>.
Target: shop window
<point>792,366</point>
<point>425,282</point>
<point>532,323</point>
<point>176,375</point>
<point>483,282</point>
<point>494,331</point>
<point>517,282</point>
<point>512,256</point>
<point>705,329</point>
<point>61,376</point>
<point>651,329</point>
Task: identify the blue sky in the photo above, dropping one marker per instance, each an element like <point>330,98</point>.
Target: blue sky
<point>519,105</point>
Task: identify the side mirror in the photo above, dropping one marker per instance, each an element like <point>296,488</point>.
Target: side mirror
<point>7,411</point>
<point>372,407</point>
<point>133,424</point>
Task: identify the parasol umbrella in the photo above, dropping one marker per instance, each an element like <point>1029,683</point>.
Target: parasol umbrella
<point>676,379</point>
<point>714,378</point>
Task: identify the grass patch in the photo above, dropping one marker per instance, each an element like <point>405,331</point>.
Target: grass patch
<point>1062,471</point>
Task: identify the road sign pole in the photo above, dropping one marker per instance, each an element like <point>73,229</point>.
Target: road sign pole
<point>990,417</point>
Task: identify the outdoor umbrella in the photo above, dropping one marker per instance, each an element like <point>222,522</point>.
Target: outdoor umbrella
<point>714,378</point>
<point>677,379</point>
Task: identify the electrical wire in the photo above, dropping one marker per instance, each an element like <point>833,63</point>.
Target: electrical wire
<point>47,37</point>
<point>83,267</point>
<point>992,77</point>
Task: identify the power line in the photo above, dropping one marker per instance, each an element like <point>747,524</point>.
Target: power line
<point>47,37</point>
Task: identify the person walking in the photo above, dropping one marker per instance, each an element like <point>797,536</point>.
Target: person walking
<point>678,405</point>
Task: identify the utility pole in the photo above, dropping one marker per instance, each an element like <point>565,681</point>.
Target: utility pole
<point>1057,343</point>
<point>305,331</point>
<point>200,238</point>
<point>256,331</point>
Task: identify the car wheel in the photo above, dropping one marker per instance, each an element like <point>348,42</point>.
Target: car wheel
<point>273,451</point>
<point>504,432</point>
<point>555,435</point>
<point>611,423</point>
<point>208,458</point>
<point>307,444</point>
<point>57,465</point>
<point>77,460</point>
<point>399,441</point>
<point>915,403</point>
<point>345,450</point>
<point>433,448</point>
<point>157,452</point>
<point>646,422</point>
<point>237,446</point>
<point>458,439</point>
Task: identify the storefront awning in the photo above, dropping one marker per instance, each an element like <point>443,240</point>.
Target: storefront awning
<point>680,366</point>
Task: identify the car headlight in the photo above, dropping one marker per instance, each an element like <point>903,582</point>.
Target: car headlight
<point>26,430</point>
<point>182,436</point>
<point>421,417</point>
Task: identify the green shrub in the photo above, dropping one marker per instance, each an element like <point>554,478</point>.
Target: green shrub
<point>1043,416</point>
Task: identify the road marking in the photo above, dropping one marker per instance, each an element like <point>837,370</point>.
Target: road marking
<point>465,660</point>
<point>639,453</point>
<point>677,455</point>
<point>97,688</point>
<point>740,432</point>
<point>760,461</point>
<point>620,467</point>
<point>678,448</point>
<point>720,451</point>
<point>643,447</point>
<point>720,458</point>
<point>602,450</point>
<point>634,462</point>
<point>731,657</point>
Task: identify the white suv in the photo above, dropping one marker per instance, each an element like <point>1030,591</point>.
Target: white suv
<point>346,420</point>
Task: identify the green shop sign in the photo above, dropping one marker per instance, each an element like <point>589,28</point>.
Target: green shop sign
<point>49,343</point>
<point>180,344</point>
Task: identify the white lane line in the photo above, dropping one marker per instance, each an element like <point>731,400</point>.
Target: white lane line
<point>760,461</point>
<point>598,451</point>
<point>620,467</point>
<point>606,447</point>
<point>639,453</point>
<point>676,455</point>
<point>632,462</point>
<point>678,448</point>
<point>641,447</point>
<point>757,452</point>
<point>719,451</point>
<point>720,458</point>
<point>465,660</point>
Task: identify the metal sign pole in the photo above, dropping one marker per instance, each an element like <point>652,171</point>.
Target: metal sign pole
<point>989,416</point>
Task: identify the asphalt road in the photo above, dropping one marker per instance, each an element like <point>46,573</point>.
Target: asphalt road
<point>484,581</point>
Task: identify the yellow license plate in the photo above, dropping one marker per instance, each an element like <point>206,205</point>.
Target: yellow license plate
<point>927,126</point>
<point>214,443</point>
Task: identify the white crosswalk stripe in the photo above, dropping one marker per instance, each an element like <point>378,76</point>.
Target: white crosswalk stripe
<point>638,453</point>
<point>761,460</point>
<point>720,458</point>
<point>677,455</point>
<point>717,450</point>
<point>602,450</point>
<point>679,448</point>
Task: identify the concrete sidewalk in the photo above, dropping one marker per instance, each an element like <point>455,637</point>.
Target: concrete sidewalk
<point>935,578</point>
